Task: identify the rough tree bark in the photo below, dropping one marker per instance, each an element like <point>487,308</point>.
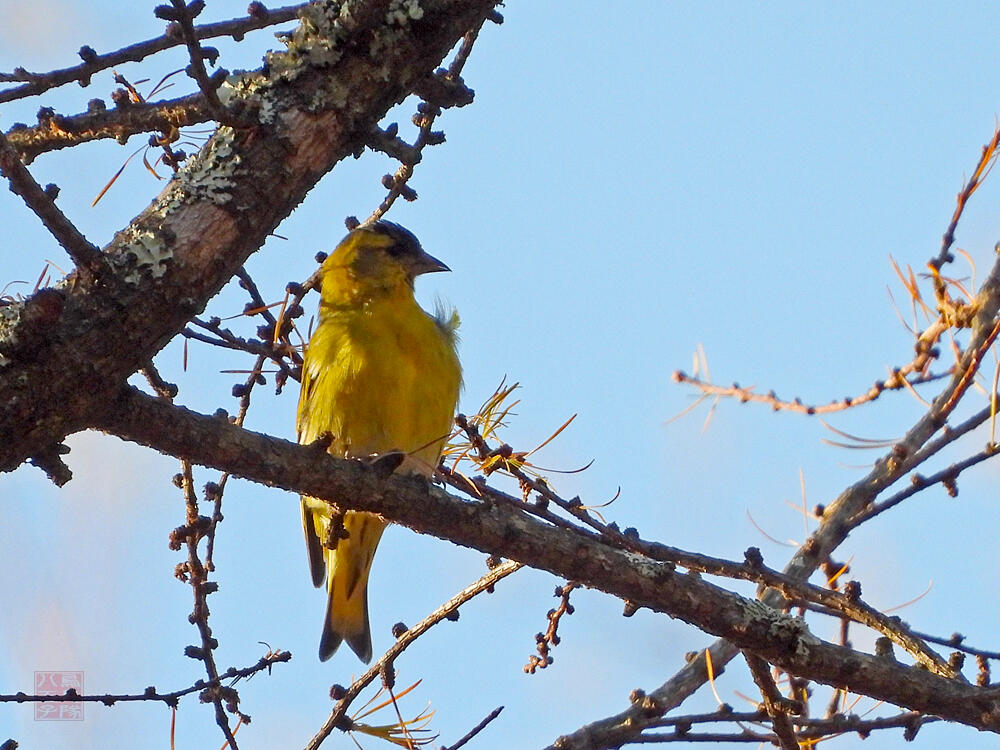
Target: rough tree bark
<point>65,351</point>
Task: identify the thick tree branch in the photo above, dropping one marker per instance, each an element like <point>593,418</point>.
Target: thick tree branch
<point>503,529</point>
<point>65,351</point>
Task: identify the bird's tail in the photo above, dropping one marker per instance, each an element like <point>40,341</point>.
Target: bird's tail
<point>347,587</point>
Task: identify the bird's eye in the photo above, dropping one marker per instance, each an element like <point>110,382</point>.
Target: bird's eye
<point>397,250</point>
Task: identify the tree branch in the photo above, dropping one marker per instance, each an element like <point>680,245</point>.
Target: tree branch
<point>171,699</point>
<point>122,122</point>
<point>65,351</point>
<point>338,718</point>
<point>88,259</point>
<point>910,452</point>
<point>503,529</point>
<point>37,83</point>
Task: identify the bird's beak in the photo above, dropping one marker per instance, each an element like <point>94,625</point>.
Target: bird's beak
<point>426,263</point>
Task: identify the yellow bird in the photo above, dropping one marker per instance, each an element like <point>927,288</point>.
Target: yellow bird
<point>380,375</point>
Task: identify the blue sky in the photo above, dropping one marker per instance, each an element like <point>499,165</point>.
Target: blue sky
<point>629,184</point>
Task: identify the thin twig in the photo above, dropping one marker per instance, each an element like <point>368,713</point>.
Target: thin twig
<point>983,166</point>
<point>550,638</point>
<point>88,257</point>
<point>150,694</point>
<point>807,729</point>
<point>183,15</point>
<point>196,574</point>
<point>37,83</point>
<point>918,482</point>
<point>897,380</point>
<point>476,729</point>
<point>426,114</point>
<point>777,706</point>
<point>162,387</point>
<point>339,713</point>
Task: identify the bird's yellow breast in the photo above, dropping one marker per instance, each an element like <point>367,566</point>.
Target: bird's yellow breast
<point>380,376</point>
